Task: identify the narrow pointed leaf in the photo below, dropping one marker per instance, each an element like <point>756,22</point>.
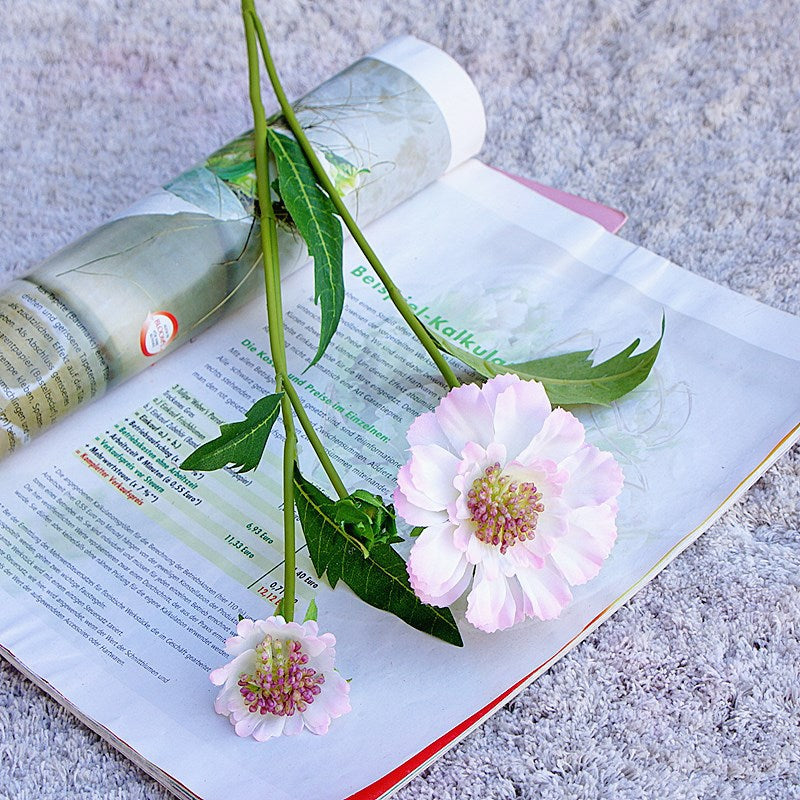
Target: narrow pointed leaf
<point>240,444</point>
<point>381,579</point>
<point>572,378</point>
<point>311,611</point>
<point>316,220</point>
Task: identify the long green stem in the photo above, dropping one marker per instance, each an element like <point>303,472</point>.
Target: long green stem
<point>274,309</point>
<point>316,444</point>
<point>394,293</point>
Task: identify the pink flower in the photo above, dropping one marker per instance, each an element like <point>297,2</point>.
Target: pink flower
<point>506,488</point>
<point>280,680</point>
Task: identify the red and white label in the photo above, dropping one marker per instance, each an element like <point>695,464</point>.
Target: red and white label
<point>158,330</point>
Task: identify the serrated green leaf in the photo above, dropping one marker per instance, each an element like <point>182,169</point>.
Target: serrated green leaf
<point>572,378</point>
<point>381,579</point>
<point>240,444</point>
<point>316,220</point>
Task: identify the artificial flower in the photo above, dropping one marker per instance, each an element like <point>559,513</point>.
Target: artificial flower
<point>281,679</point>
<point>512,499</point>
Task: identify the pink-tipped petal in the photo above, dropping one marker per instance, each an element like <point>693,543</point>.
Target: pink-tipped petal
<point>594,477</point>
<point>269,727</point>
<point>561,435</point>
<point>245,726</point>
<point>413,514</point>
<point>415,495</point>
<point>492,389</point>
<point>426,430</point>
<point>545,590</point>
<point>435,564</point>
<point>464,416</point>
<point>491,605</point>
<point>432,472</point>
<point>581,552</point>
<point>520,411</point>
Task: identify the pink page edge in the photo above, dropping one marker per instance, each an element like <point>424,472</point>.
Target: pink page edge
<point>610,218</point>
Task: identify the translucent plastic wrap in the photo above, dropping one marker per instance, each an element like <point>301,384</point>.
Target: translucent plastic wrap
<point>106,306</point>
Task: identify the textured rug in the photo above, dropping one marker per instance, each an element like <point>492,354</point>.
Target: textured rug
<point>684,113</point>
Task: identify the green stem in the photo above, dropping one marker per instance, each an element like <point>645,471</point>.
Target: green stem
<point>322,177</point>
<point>289,458</point>
<point>316,444</point>
<point>274,310</point>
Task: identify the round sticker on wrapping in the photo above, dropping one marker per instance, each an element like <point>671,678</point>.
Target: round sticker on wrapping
<point>158,330</point>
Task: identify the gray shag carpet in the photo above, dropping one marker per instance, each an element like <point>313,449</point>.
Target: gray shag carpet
<point>685,114</point>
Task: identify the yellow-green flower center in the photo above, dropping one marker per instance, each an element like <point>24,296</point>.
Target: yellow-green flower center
<point>504,512</point>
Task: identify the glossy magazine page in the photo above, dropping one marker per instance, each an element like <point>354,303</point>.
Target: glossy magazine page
<point>122,576</point>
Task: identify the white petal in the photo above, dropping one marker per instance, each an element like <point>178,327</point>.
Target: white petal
<point>546,592</point>
<point>270,725</point>
<point>246,726</point>
<point>523,555</point>
<point>594,477</point>
<point>432,472</point>
<point>229,674</point>
<point>415,495</point>
<point>490,604</point>
<point>519,413</point>
<point>316,718</point>
<point>451,594</point>
<point>335,696</point>
<point>463,534</point>
<point>247,637</point>
<point>317,648</point>
<point>413,514</point>
<point>561,435</point>
<point>550,526</point>
<point>425,429</point>
<point>477,550</point>
<point>497,385</point>
<point>592,532</point>
<point>293,725</point>
<point>464,416</point>
<point>435,564</point>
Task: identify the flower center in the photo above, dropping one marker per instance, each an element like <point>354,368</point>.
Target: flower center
<point>281,683</point>
<point>504,512</point>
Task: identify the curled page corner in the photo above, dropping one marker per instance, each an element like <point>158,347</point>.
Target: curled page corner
<point>449,86</point>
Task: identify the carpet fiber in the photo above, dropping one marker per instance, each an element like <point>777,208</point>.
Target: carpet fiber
<point>685,114</point>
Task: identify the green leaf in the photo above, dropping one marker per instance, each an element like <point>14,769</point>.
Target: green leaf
<point>367,518</point>
<point>572,378</point>
<point>416,531</point>
<point>311,611</point>
<point>279,608</point>
<point>380,579</point>
<point>316,220</point>
<point>240,444</point>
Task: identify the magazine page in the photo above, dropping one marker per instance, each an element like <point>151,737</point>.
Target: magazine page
<point>124,295</point>
<point>121,575</point>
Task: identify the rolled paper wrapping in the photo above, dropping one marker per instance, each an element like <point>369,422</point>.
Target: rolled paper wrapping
<point>109,304</point>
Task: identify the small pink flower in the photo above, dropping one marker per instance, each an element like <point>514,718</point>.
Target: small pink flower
<point>512,499</point>
<point>280,680</point>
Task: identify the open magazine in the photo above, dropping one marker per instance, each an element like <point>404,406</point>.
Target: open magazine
<point>121,575</point>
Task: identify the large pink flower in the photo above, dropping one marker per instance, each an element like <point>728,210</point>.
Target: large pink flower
<point>512,499</point>
<point>280,680</point>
